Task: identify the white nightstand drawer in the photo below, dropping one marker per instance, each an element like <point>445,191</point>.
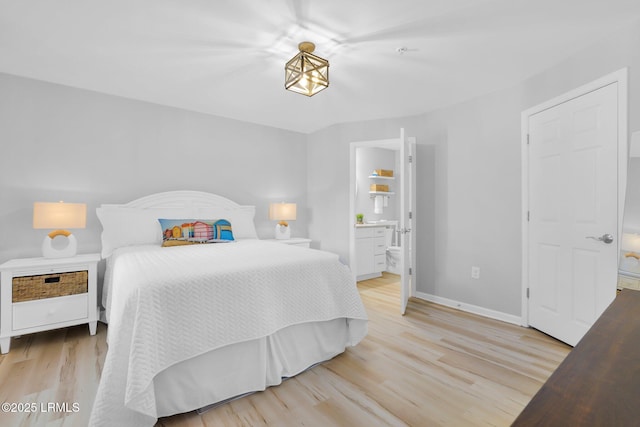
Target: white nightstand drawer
<point>50,311</point>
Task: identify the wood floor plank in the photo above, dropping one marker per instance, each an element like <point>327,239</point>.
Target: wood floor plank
<point>435,366</point>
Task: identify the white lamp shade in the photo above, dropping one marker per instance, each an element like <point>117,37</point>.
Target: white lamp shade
<point>282,211</point>
<point>59,215</point>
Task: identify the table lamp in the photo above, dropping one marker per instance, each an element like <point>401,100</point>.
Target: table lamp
<point>282,212</point>
<point>59,216</point>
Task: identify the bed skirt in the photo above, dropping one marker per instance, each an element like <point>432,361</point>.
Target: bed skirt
<point>250,366</point>
<point>244,367</point>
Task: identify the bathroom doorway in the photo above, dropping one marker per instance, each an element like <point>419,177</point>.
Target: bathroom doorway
<point>382,190</point>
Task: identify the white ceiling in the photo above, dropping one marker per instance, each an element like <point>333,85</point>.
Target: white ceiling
<point>226,57</point>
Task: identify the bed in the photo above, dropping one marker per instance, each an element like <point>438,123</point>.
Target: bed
<point>193,325</point>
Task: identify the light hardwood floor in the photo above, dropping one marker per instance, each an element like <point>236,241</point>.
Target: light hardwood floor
<point>433,366</point>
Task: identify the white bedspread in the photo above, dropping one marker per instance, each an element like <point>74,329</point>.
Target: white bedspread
<point>166,305</point>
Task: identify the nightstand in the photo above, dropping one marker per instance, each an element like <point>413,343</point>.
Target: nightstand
<point>39,294</point>
<point>295,241</point>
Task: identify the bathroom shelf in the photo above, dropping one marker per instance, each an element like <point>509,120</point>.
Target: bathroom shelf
<point>381,193</point>
<point>381,177</point>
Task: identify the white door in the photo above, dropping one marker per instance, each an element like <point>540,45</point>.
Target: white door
<point>407,218</point>
<point>573,213</point>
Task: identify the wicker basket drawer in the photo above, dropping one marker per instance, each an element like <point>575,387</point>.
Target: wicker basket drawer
<point>29,288</point>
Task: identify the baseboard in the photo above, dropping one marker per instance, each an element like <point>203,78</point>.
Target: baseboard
<point>470,308</point>
<point>368,276</point>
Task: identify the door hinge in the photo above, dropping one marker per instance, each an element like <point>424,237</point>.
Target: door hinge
<point>410,271</point>
<point>410,215</point>
<point>527,293</point>
<point>527,139</point>
<point>528,215</point>
<point>410,159</point>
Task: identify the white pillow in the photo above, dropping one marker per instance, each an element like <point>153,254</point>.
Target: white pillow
<point>131,226</point>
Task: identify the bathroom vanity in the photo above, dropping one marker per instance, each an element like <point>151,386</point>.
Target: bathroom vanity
<point>375,250</point>
<point>371,258</point>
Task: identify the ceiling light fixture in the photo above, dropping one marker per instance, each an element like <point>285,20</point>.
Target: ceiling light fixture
<point>306,73</point>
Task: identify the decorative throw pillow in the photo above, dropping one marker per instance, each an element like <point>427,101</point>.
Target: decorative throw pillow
<point>178,232</point>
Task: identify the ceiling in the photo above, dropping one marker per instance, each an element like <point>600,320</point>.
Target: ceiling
<point>226,57</point>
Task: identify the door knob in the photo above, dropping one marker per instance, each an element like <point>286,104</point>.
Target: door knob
<point>606,238</point>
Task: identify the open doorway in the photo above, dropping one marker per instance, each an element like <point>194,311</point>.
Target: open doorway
<point>382,211</point>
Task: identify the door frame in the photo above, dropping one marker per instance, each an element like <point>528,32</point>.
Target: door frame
<point>408,218</point>
<point>621,78</point>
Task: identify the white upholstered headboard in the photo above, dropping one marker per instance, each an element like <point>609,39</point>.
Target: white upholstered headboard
<point>136,222</point>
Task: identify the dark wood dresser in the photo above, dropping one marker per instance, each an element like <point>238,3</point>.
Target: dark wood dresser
<point>598,384</point>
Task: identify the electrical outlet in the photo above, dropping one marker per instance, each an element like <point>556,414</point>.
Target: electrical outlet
<point>475,272</point>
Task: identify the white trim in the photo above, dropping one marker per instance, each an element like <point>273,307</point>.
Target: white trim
<point>182,199</point>
<point>621,78</point>
<point>414,207</point>
<point>470,308</point>
<point>368,276</point>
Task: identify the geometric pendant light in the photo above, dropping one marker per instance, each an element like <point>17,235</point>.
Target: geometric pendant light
<point>306,73</point>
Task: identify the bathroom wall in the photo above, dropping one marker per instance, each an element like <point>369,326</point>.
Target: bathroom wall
<point>367,160</point>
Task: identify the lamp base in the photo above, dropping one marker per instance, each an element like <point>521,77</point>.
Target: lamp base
<point>283,232</point>
<point>70,250</point>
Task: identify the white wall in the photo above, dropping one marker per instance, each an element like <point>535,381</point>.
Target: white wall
<point>469,177</point>
<point>61,143</point>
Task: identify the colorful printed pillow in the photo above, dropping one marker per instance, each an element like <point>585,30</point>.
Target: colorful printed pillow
<point>179,232</point>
